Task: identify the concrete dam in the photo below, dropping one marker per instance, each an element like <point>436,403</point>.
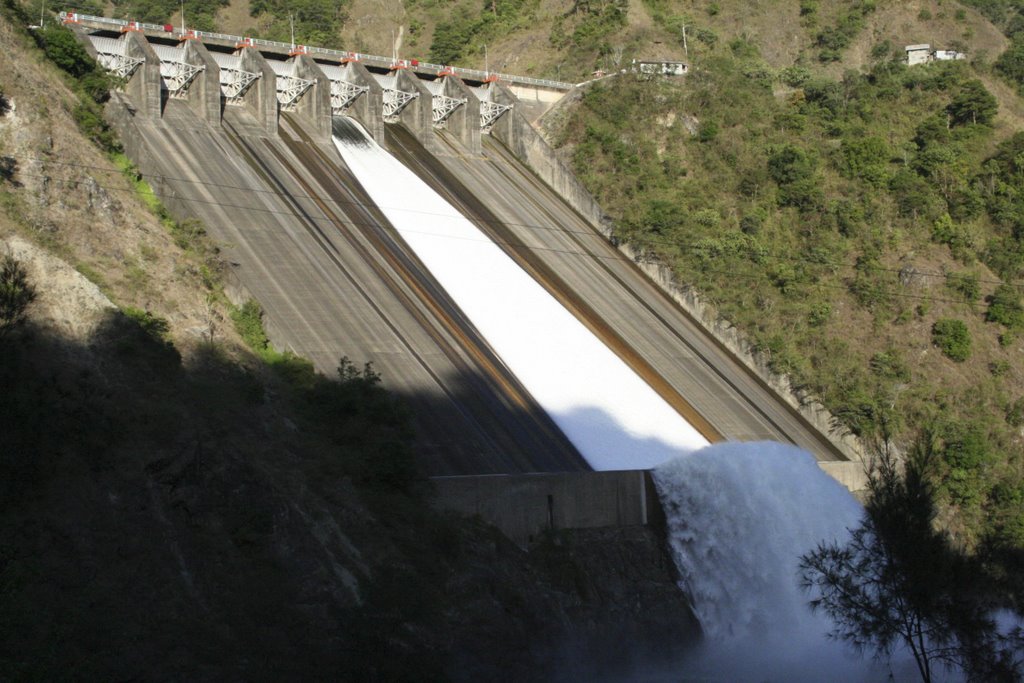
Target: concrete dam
<point>238,134</point>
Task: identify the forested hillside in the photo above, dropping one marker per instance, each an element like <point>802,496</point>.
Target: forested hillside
<point>858,218</point>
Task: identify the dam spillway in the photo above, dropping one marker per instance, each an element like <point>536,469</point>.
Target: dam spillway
<point>334,277</point>
<point>614,418</point>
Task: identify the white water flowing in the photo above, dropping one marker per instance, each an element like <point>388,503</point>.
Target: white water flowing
<point>740,516</point>
<point>612,416</point>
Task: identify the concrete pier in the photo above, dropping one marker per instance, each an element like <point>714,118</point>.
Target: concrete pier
<point>464,122</point>
<point>523,506</point>
<point>315,105</point>
<point>204,96</point>
<point>261,97</point>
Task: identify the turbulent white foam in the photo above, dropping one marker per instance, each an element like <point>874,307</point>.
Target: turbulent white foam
<point>740,516</point>
<point>613,417</point>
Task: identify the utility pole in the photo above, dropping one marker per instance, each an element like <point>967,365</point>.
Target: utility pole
<point>686,50</point>
<point>42,9</point>
<point>182,17</point>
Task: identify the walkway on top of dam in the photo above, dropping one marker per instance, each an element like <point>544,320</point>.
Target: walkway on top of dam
<point>542,90</point>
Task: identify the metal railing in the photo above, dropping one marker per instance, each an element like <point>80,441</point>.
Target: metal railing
<point>475,74</point>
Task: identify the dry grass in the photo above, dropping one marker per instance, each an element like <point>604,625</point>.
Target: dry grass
<point>72,199</point>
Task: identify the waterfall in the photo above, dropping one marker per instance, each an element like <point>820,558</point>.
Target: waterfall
<point>739,518</point>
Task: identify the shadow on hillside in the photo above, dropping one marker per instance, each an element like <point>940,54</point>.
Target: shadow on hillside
<point>164,518</point>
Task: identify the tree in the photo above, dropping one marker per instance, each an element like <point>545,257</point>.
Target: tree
<point>973,104</point>
<point>16,294</point>
<point>899,582</point>
<point>1005,307</point>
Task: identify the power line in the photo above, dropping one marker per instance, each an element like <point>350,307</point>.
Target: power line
<point>152,178</point>
<point>512,245</point>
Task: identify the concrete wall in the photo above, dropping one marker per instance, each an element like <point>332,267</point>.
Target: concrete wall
<point>524,506</point>
<point>851,474</point>
<point>515,132</point>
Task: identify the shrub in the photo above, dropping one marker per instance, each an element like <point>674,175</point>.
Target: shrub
<point>248,320</point>
<point>707,131</point>
<point>16,293</point>
<point>795,76</point>
<point>953,339</point>
<point>819,314</point>
<point>1004,307</point>
<point>889,365</point>
<point>966,285</point>
<point>973,104</point>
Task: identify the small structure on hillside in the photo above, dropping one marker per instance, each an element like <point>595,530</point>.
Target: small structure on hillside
<point>923,54</point>
<point>662,67</point>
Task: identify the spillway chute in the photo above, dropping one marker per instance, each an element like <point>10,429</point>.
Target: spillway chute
<point>612,416</point>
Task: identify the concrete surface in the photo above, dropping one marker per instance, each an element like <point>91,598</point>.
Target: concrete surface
<point>524,506</point>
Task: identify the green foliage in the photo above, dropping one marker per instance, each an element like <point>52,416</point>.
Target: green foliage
<point>451,38</point>
<point>1005,307</point>
<point>955,235</point>
<point>795,76</point>
<point>315,22</point>
<point>90,81</point>
<point>953,338</point>
<point>898,583</point>
<point>793,169</point>
<point>356,409</point>
<point>248,320</point>
<point>464,32</point>
<point>999,12</point>
<point>63,49</point>
<point>833,40</point>
<point>819,314</point>
<point>782,243</point>
<point>966,285</point>
<point>366,423</point>
<point>142,338</point>
<point>600,19</point>
<point>973,104</point>
<point>707,131</point>
<point>89,118</point>
<point>155,326</point>
<point>867,158</point>
<point>199,14</point>
<point>872,284</point>
<point>16,294</point>
<point>889,365</point>
<point>1010,64</point>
